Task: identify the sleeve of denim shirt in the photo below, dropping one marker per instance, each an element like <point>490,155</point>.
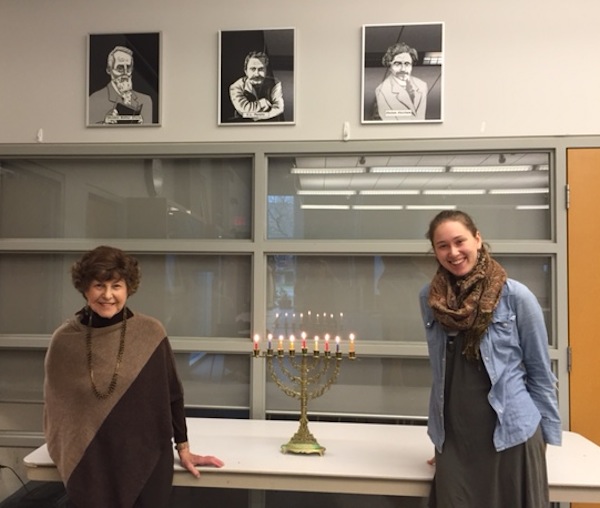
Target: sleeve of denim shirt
<point>541,381</point>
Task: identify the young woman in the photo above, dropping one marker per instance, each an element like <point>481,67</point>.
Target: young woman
<point>493,403</point>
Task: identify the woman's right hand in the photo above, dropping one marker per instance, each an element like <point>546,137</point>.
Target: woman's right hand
<point>431,461</point>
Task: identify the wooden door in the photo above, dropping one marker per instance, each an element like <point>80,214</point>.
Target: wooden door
<point>583,224</point>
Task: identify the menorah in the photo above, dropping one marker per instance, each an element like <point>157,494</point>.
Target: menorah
<point>305,376</point>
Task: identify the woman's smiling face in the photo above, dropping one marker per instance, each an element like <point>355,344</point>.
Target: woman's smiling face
<point>455,247</point>
<point>107,298</point>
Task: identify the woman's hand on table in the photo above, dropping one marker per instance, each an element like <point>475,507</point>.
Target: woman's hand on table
<point>190,460</point>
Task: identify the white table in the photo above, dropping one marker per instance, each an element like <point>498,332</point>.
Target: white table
<point>359,459</point>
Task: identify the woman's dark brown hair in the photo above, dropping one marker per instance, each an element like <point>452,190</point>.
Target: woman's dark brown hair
<point>454,216</point>
<point>106,263</point>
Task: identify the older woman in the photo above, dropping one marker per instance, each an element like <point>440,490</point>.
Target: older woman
<point>400,96</point>
<point>113,399</point>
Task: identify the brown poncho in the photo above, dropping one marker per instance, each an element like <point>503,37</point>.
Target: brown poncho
<point>106,449</point>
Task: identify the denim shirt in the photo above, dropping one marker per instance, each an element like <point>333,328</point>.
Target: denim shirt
<point>514,350</point>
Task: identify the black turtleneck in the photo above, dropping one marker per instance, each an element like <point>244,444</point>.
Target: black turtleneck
<point>100,322</point>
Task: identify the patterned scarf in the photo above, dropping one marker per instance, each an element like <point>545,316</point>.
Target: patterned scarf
<point>466,304</point>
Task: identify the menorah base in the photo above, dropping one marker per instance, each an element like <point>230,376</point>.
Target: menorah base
<point>303,448</point>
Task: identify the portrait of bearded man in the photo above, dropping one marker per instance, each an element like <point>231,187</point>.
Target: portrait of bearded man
<point>118,103</point>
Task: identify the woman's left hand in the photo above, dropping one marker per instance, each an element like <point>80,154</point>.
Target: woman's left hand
<point>190,460</point>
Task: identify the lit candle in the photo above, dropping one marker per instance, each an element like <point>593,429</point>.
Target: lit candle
<point>280,346</point>
<point>270,344</point>
<point>327,353</point>
<point>292,347</point>
<point>256,345</point>
<point>316,348</point>
<point>303,335</point>
<point>337,347</point>
<point>351,352</point>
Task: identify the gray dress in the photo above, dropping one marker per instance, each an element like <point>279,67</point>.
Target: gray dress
<point>470,473</point>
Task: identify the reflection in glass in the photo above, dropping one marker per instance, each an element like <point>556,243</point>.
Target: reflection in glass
<point>126,198</point>
<point>214,380</point>
<point>374,297</point>
<point>368,386</point>
<point>395,196</point>
<point>192,295</point>
<point>21,390</point>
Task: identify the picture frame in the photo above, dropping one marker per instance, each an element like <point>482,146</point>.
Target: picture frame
<point>123,80</point>
<point>402,73</point>
<point>257,77</point>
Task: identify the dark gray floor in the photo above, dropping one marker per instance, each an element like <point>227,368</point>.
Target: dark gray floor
<point>52,495</point>
<point>235,498</point>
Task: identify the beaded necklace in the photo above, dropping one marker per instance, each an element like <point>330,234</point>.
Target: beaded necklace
<point>88,340</point>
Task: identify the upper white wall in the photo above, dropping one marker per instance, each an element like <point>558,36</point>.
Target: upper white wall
<point>512,68</point>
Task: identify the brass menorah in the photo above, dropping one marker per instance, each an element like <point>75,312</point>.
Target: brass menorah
<point>304,376</point>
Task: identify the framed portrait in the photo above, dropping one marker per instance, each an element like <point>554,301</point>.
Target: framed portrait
<point>123,80</point>
<point>256,77</point>
<point>402,73</point>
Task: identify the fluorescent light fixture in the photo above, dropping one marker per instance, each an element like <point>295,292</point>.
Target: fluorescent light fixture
<point>532,207</point>
<point>453,192</point>
<point>327,171</point>
<point>542,167</point>
<point>378,207</point>
<point>325,207</point>
<point>390,192</point>
<point>533,190</point>
<point>326,192</point>
<point>433,58</point>
<point>431,207</point>
<point>489,169</point>
<point>407,169</point>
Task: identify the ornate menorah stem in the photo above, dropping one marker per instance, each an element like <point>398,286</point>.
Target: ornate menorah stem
<point>304,376</point>
<point>303,441</point>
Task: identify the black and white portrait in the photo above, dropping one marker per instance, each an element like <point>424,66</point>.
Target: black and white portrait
<point>256,77</point>
<point>402,73</point>
<point>123,79</point>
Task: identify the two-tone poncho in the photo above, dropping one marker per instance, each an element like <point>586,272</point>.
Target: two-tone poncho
<point>105,449</point>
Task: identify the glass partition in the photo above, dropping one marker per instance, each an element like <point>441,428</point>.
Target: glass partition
<point>374,297</point>
<point>126,198</point>
<point>192,295</point>
<point>393,387</point>
<point>214,380</point>
<point>395,196</point>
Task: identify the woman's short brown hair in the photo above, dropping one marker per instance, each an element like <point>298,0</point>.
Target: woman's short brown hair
<point>106,263</point>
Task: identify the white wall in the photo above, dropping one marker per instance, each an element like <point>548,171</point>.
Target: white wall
<point>512,68</point>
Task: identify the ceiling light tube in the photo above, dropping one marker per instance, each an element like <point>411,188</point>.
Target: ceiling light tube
<point>453,192</point>
<point>431,207</point>
<point>326,192</point>
<point>377,207</point>
<point>407,169</point>
<point>532,207</point>
<point>327,171</point>
<point>390,192</point>
<point>489,169</point>
<point>541,190</point>
<point>325,207</point>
